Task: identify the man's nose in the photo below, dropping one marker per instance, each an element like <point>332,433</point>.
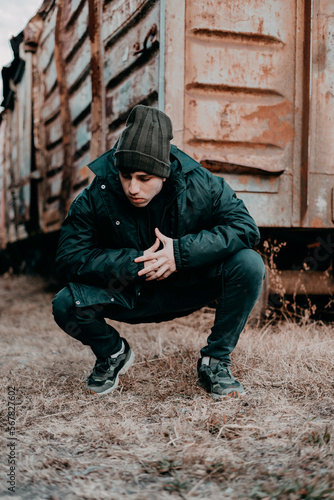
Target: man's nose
<point>134,187</point>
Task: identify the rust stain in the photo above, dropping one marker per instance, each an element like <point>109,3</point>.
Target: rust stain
<point>64,111</point>
<point>243,179</point>
<point>92,20</point>
<point>316,222</point>
<point>322,56</point>
<point>260,28</point>
<point>94,62</point>
<point>279,131</point>
<point>95,75</point>
<point>97,144</point>
<point>272,182</point>
<point>267,70</point>
<point>322,49</point>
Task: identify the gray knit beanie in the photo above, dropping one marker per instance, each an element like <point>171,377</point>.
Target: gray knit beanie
<point>144,144</point>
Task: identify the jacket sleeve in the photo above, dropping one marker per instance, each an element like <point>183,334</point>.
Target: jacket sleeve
<point>81,258</point>
<point>233,229</point>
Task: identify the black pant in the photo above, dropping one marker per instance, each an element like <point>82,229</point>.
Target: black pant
<point>237,290</point>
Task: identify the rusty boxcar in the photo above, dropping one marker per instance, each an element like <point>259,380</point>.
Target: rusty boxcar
<point>249,86</point>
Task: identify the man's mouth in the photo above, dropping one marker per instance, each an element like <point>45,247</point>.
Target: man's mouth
<point>137,200</point>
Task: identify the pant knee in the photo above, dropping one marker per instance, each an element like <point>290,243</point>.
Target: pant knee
<point>255,265</point>
<point>62,308</point>
<point>248,266</point>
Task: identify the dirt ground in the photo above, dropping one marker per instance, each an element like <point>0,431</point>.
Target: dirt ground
<point>160,436</point>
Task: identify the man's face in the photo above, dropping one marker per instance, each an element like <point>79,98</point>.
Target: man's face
<point>140,187</point>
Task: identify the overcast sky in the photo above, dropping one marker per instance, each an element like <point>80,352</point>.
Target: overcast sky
<point>14,15</point>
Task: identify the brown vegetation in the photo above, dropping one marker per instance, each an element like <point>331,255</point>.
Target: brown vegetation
<point>160,436</point>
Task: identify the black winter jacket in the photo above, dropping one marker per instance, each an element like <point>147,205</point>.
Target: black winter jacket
<point>98,240</point>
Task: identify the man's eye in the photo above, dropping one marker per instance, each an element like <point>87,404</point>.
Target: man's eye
<point>145,179</point>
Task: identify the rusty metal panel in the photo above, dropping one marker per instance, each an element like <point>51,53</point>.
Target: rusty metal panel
<point>118,13</point>
<point>240,98</point>
<point>9,215</point>
<point>47,48</point>
<point>51,106</point>
<point>80,172</point>
<point>53,131</point>
<point>82,135</point>
<point>80,64</point>
<point>320,200</point>
<point>3,208</point>
<point>50,78</point>
<point>77,55</point>
<point>262,202</point>
<point>72,8</point>
<point>56,158</point>
<point>53,188</point>
<point>47,128</point>
<point>175,15</point>
<point>124,55</point>
<point>140,87</point>
<point>52,220</point>
<point>69,97</point>
<point>80,99</point>
<point>76,27</point>
<point>17,194</point>
<point>249,97</point>
<point>64,80</point>
<point>131,59</point>
<point>49,24</point>
<point>321,150</point>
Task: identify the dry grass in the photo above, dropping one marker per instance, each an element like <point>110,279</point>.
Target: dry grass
<point>160,436</point>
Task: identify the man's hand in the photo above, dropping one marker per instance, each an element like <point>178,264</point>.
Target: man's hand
<point>158,265</point>
<point>150,251</point>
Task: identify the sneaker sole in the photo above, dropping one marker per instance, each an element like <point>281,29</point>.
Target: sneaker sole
<point>233,394</point>
<point>213,395</point>
<point>125,368</point>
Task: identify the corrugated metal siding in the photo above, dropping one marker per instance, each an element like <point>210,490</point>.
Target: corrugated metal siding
<point>127,79</point>
<point>3,208</point>
<point>48,134</point>
<point>131,70</point>
<point>321,148</point>
<point>17,157</point>
<point>240,98</point>
<point>65,109</point>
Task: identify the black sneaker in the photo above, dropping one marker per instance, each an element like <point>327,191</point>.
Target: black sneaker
<point>217,379</point>
<point>105,375</point>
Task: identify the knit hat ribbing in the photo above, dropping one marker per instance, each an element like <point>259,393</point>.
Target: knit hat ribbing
<point>144,144</point>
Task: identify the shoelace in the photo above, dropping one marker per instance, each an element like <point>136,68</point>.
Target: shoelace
<point>223,368</point>
<point>102,366</point>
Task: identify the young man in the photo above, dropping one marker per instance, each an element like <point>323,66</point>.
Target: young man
<point>156,236</point>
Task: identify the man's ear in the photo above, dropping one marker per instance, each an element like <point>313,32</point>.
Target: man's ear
<point>163,179</point>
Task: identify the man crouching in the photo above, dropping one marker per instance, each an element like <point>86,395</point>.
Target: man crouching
<point>156,236</point>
